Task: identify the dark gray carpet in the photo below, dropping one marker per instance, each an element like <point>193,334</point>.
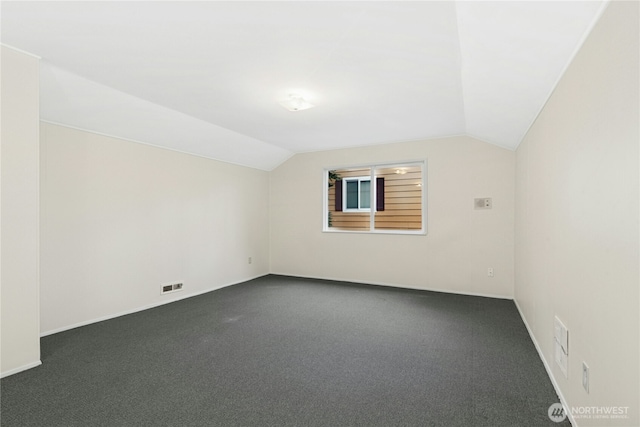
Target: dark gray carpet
<point>282,351</point>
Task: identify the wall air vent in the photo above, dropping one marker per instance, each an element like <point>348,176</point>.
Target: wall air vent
<point>173,287</point>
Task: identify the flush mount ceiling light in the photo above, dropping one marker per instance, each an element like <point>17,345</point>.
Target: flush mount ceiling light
<point>296,102</point>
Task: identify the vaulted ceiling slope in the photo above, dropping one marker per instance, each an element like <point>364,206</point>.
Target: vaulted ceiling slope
<point>206,77</point>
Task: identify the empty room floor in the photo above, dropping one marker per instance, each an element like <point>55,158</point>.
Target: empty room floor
<point>284,351</point>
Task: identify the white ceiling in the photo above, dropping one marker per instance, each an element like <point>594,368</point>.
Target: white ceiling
<point>206,77</point>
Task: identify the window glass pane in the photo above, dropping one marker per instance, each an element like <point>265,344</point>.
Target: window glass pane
<point>352,194</point>
<point>393,200</point>
<point>365,194</point>
<point>339,217</point>
<point>402,193</point>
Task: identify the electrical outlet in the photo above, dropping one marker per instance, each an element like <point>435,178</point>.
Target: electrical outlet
<point>585,377</point>
<point>489,272</point>
<point>250,260</point>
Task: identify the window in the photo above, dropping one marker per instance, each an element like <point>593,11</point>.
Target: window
<point>357,196</point>
<point>378,198</point>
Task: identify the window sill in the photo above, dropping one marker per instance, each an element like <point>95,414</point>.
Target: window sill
<point>397,232</point>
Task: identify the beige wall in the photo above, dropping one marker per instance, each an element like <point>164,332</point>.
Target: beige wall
<point>461,243</point>
<point>19,218</point>
<point>577,241</point>
<point>118,219</point>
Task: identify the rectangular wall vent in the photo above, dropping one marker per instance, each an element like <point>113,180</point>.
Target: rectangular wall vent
<point>165,289</point>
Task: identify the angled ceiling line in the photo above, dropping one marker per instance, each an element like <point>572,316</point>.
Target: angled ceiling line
<point>393,71</point>
<point>583,38</point>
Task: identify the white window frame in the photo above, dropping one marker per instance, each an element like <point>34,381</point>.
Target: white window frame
<point>373,167</point>
<point>344,194</point>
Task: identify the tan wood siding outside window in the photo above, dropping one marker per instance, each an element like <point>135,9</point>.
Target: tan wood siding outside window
<point>355,221</point>
<point>402,200</point>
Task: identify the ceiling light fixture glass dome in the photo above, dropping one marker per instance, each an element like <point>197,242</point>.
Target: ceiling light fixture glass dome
<point>296,102</point>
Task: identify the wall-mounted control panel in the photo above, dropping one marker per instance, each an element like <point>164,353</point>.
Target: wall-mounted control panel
<point>483,203</point>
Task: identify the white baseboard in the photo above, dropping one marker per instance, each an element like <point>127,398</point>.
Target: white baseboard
<point>20,369</point>
<point>145,307</point>
<point>395,285</point>
<point>193,294</point>
<point>547,368</point>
